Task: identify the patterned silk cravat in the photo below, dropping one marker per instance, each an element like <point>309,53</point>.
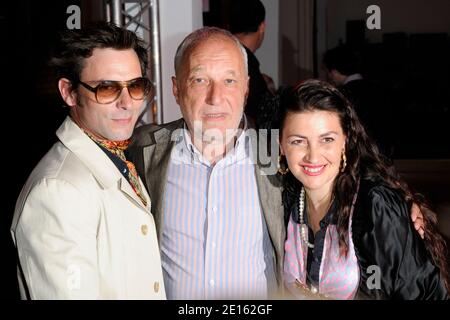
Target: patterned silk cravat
<point>117,148</point>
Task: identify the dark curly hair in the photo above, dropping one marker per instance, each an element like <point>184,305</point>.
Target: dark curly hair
<point>76,45</point>
<point>364,161</point>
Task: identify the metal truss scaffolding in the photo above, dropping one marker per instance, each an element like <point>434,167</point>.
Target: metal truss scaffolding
<point>141,16</point>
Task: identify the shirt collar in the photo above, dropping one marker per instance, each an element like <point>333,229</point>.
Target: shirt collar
<point>189,152</point>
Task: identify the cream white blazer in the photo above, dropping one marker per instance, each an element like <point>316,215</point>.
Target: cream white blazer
<point>80,230</point>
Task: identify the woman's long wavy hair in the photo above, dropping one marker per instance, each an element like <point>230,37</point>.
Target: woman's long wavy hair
<point>364,161</point>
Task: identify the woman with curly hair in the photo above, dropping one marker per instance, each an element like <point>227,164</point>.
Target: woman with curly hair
<point>349,234</point>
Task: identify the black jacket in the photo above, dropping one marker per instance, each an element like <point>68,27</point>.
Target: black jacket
<point>384,237</point>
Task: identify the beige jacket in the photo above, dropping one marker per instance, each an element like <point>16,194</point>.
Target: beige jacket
<point>80,230</point>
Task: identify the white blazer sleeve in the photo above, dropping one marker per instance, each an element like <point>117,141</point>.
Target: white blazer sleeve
<point>56,242</point>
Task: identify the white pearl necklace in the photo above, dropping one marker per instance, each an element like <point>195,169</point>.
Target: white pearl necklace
<point>303,226</point>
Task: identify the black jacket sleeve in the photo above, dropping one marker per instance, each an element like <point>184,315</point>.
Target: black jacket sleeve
<point>384,237</point>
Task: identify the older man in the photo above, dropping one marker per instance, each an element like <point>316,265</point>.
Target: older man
<point>219,218</point>
<point>218,212</point>
<point>82,223</point>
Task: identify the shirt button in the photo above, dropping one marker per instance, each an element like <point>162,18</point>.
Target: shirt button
<point>144,229</point>
<point>213,244</point>
<point>211,283</point>
<point>156,286</point>
<point>214,209</point>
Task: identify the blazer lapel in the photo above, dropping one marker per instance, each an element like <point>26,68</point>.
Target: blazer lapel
<point>271,202</point>
<point>270,195</point>
<point>96,160</point>
<point>156,163</point>
<point>156,159</point>
<point>127,189</point>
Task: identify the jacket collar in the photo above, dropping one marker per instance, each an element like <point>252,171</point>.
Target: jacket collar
<point>90,154</point>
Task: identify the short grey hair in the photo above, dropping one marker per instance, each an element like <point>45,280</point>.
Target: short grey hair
<point>199,36</point>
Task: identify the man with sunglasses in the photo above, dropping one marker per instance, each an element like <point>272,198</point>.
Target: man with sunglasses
<point>82,224</point>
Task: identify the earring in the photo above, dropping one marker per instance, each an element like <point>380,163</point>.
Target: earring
<point>280,169</point>
<point>344,160</point>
